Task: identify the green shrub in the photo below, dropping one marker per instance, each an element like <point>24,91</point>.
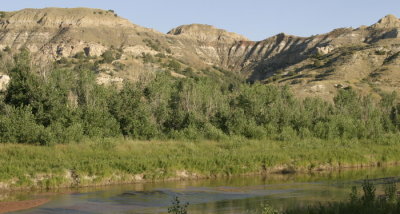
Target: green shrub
<point>119,66</point>
<point>19,125</point>
<point>155,45</point>
<point>380,52</point>
<point>80,55</point>
<point>213,133</point>
<point>287,134</point>
<point>188,71</point>
<point>319,63</point>
<point>63,60</point>
<point>148,58</point>
<point>174,65</point>
<point>108,56</point>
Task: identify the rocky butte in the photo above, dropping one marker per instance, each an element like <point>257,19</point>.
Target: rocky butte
<point>366,58</point>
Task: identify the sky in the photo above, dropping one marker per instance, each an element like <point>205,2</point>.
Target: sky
<point>255,19</point>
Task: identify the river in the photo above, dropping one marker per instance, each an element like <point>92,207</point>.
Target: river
<point>241,194</point>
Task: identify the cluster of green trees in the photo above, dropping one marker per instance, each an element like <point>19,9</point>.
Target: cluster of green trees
<point>67,105</point>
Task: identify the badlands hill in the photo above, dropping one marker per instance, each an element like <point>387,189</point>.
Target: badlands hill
<point>366,59</point>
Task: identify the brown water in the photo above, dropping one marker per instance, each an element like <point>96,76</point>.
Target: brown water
<point>242,194</point>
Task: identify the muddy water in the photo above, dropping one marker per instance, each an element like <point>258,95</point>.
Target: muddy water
<point>243,194</point>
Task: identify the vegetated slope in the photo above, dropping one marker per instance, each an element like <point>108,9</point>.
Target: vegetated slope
<point>62,34</point>
<point>56,34</point>
<point>366,58</point>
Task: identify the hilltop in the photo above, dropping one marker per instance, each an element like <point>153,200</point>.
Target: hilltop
<point>365,58</point>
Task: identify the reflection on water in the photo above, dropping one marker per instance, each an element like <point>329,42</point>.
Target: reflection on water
<point>225,195</point>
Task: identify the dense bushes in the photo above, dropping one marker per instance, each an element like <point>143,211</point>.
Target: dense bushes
<point>68,105</point>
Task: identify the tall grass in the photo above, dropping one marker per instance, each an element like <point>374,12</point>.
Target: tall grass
<point>108,161</point>
<point>368,203</point>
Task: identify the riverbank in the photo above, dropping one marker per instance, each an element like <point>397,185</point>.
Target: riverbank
<point>244,194</point>
<point>116,161</point>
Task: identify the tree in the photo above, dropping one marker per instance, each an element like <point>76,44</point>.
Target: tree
<point>395,116</point>
<point>132,114</point>
<point>24,87</point>
<point>19,125</point>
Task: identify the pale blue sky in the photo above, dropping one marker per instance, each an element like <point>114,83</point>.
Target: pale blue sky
<point>256,19</point>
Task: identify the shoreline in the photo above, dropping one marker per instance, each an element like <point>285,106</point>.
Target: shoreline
<point>45,197</point>
<point>279,170</point>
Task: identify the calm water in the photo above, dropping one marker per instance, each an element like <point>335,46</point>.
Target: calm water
<point>227,195</point>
